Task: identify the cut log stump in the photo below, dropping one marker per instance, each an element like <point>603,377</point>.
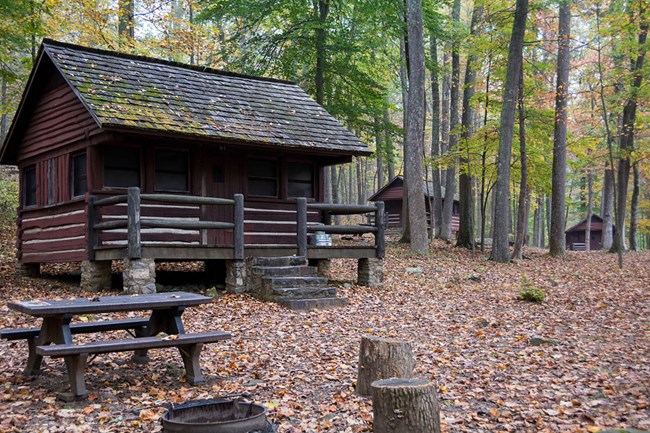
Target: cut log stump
<point>382,358</point>
<point>405,406</point>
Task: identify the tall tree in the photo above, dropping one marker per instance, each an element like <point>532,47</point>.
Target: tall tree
<point>628,126</point>
<point>126,23</point>
<point>450,178</point>
<point>524,195</point>
<point>558,201</point>
<point>466,237</point>
<point>500,243</point>
<point>414,144</point>
<point>436,183</point>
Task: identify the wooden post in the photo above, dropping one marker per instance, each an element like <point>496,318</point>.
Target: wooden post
<point>382,358</point>
<point>405,406</point>
<point>301,214</point>
<point>134,244</point>
<point>93,218</point>
<point>238,231</point>
<point>380,235</point>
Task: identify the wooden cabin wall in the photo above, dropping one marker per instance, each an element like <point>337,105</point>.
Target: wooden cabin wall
<point>54,230</point>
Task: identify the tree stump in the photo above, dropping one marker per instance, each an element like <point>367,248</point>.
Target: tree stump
<point>382,358</point>
<point>405,406</point>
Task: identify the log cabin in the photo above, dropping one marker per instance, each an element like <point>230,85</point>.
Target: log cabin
<point>576,235</point>
<point>392,195</point>
<point>125,157</point>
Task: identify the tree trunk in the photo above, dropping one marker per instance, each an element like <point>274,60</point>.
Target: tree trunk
<point>484,194</point>
<point>537,223</point>
<point>558,201</point>
<point>607,207</point>
<point>626,141</point>
<point>382,358</point>
<point>590,210</point>
<point>634,208</point>
<point>414,145</point>
<point>500,244</point>
<point>436,181</point>
<point>321,15</point>
<point>450,178</point>
<point>126,23</point>
<point>466,237</point>
<point>405,406</point>
<point>3,110</point>
<point>524,195</point>
<point>388,142</point>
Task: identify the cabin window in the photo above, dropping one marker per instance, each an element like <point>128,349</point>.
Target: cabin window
<point>121,167</point>
<point>51,181</point>
<point>263,177</point>
<point>172,171</point>
<point>29,186</point>
<point>79,175</point>
<point>300,180</point>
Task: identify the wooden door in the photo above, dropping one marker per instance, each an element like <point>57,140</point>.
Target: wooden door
<point>224,180</point>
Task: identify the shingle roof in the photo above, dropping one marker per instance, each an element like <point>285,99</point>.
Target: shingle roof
<point>124,91</point>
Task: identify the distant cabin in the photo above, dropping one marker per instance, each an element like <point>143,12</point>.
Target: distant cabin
<point>392,194</point>
<point>575,236</point>
<point>93,123</point>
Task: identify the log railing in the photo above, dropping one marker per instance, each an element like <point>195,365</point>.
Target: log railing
<point>135,223</point>
<point>327,210</point>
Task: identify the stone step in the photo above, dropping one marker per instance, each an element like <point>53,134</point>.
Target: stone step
<point>287,293</point>
<point>279,261</point>
<point>271,283</point>
<point>314,303</point>
<point>284,271</point>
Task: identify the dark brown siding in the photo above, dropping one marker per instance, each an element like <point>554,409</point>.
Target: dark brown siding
<point>58,120</point>
<point>53,234</point>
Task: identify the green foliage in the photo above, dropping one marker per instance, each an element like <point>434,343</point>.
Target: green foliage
<point>529,292</point>
<point>8,201</point>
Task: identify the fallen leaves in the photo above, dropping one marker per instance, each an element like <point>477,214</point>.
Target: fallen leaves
<point>468,333</point>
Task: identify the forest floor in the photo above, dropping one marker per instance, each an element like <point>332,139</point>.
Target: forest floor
<point>459,311</point>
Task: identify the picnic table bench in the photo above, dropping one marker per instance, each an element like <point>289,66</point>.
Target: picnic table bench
<point>163,328</point>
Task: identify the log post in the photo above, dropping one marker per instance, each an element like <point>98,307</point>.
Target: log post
<point>238,232</point>
<point>134,243</point>
<point>382,358</point>
<point>405,406</point>
<point>301,225</point>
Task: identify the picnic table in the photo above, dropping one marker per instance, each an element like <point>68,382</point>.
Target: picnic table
<point>163,328</point>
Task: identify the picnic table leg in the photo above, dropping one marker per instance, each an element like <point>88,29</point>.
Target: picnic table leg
<point>168,320</point>
<point>53,330</point>
<point>191,354</point>
<point>76,366</point>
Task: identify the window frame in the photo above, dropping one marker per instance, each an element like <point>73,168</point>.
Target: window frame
<point>51,180</point>
<point>74,176</point>
<point>289,179</point>
<point>277,178</point>
<point>136,150</point>
<point>187,172</point>
<point>29,172</point>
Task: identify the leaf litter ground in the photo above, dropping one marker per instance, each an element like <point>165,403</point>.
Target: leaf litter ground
<point>578,362</point>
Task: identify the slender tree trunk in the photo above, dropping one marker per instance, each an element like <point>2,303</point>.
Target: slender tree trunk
<point>414,144</point>
<point>626,142</point>
<point>484,192</point>
<point>436,181</point>
<point>558,201</point>
<point>634,207</point>
<point>524,194</point>
<point>590,210</point>
<point>126,23</point>
<point>466,237</point>
<point>3,110</point>
<point>388,142</point>
<point>454,121</point>
<point>607,207</point>
<point>500,244</point>
<point>404,79</point>
<point>537,223</point>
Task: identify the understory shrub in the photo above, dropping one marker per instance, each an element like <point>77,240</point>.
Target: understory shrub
<point>529,292</point>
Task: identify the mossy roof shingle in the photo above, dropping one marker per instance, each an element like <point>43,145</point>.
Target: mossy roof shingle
<point>124,91</point>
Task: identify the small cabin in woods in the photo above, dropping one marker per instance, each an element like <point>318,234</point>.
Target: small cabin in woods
<point>129,157</point>
<point>392,194</point>
<point>576,235</point>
